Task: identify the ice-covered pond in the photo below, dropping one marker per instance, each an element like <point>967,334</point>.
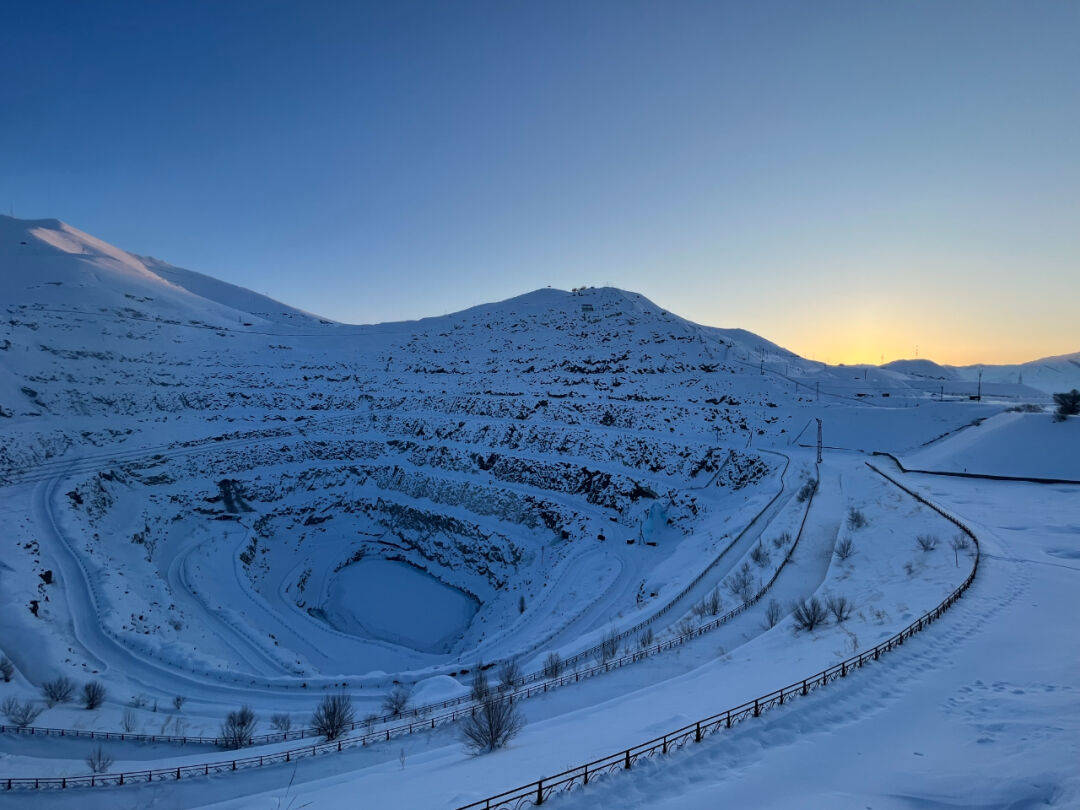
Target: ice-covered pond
<point>397,602</point>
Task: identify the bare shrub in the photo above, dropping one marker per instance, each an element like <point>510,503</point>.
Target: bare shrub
<point>685,626</point>
<point>646,638</point>
<point>237,730</point>
<point>844,549</point>
<point>178,702</point>
<point>699,609</point>
<point>840,607</point>
<point>492,725</point>
<point>553,665</point>
<point>808,614</point>
<point>607,648</point>
<point>760,555</point>
<point>281,722</point>
<point>855,519</point>
<point>509,674</point>
<point>807,490</point>
<point>959,543</point>
<point>773,613</point>
<point>480,688</point>
<point>129,722</point>
<point>93,694</point>
<point>395,702</point>
<point>741,583</point>
<point>137,701</point>
<point>98,761</point>
<point>7,669</point>
<point>19,713</point>
<point>333,716</point>
<point>713,603</point>
<point>58,690</point>
<point>927,542</point>
<point>781,540</point>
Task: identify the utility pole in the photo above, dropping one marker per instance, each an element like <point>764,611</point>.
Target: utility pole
<point>979,395</point>
<point>819,441</point>
<point>817,390</point>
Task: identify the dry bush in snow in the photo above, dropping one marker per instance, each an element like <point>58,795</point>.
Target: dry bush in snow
<point>855,519</point>
<point>238,728</point>
<point>333,715</point>
<point>808,614</point>
<point>18,713</point>
<point>509,674</point>
<point>927,542</point>
<point>840,607</point>
<point>7,669</point>
<point>844,549</point>
<point>395,702</point>
<point>492,725</point>
<point>773,613</point>
<point>93,694</point>
<point>58,690</point>
<point>98,761</point>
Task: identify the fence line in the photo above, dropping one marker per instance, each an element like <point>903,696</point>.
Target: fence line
<point>985,476</point>
<point>539,791</point>
<point>381,735</point>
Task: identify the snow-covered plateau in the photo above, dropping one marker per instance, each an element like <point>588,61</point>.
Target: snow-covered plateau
<point>213,500</point>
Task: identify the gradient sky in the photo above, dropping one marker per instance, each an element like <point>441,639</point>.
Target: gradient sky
<point>850,180</point>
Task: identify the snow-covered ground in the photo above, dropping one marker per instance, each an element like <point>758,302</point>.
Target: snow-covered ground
<point>210,495</point>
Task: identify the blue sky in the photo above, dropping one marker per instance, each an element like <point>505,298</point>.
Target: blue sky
<point>851,180</point>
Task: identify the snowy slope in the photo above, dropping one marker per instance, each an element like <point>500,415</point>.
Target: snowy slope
<point>217,496</point>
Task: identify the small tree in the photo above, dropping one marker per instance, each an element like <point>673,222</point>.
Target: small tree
<point>395,702</point>
<point>333,716</point>
<point>1068,404</point>
<point>773,613</point>
<point>553,665</point>
<point>808,614</point>
<point>521,604</point>
<point>509,674</point>
<point>844,549</point>
<point>18,713</point>
<point>646,638</point>
<point>93,694</point>
<point>840,608</point>
<point>238,728</point>
<point>281,722</point>
<point>58,690</point>
<point>760,555</point>
<point>480,688</point>
<point>98,761</point>
<point>7,669</point>
<point>492,725</point>
<point>129,722</point>
<point>927,542</point>
<point>807,490</point>
<point>178,702</point>
<point>607,648</point>
<point>781,540</point>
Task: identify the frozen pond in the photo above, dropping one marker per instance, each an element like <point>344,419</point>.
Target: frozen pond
<point>397,602</point>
